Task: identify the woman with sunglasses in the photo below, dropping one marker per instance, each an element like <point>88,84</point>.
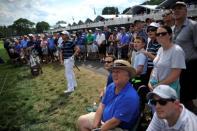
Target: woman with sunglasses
<point>169,61</point>
<point>170,114</point>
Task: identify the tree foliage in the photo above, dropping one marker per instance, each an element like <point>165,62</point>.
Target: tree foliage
<point>41,26</point>
<point>23,26</point>
<point>61,22</point>
<point>110,11</point>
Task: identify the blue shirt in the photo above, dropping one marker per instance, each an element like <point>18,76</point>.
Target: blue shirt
<point>24,43</point>
<point>124,39</point>
<point>81,40</point>
<point>51,43</point>
<point>123,106</point>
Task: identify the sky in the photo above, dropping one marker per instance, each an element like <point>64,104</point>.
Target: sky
<point>52,11</point>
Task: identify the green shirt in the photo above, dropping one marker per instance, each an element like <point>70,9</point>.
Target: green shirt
<point>90,39</point>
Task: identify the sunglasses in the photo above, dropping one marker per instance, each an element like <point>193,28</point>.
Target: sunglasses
<point>151,29</point>
<point>107,61</point>
<point>161,102</point>
<point>161,34</point>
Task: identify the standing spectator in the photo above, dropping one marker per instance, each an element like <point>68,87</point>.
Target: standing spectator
<point>120,105</point>
<point>170,114</point>
<point>169,61</point>
<point>113,43</point>
<point>30,45</point>
<point>59,42</point>
<point>139,30</point>
<point>89,42</point>
<point>123,45</point>
<point>68,52</point>
<point>185,35</point>
<point>140,60</point>
<point>51,48</point>
<point>168,18</point>
<point>100,40</point>
<point>81,42</point>
<point>107,35</point>
<point>44,46</point>
<point>152,47</point>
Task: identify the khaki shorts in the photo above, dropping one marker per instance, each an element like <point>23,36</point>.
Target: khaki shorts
<point>90,117</point>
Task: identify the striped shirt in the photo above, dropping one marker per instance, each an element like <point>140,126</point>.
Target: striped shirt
<point>187,121</point>
<point>153,47</point>
<point>67,48</point>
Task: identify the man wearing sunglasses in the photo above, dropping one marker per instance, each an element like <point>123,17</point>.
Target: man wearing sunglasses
<point>170,114</point>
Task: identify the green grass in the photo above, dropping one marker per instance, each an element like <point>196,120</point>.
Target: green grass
<point>38,103</point>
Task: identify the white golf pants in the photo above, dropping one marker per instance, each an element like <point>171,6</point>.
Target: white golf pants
<point>69,74</point>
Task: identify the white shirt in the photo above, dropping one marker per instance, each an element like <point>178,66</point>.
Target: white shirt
<point>100,38</point>
<point>187,121</point>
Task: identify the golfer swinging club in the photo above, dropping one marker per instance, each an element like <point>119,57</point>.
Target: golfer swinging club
<point>68,52</point>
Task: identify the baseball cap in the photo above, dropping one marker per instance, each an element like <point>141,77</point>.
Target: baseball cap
<point>122,28</point>
<point>65,33</point>
<point>163,91</point>
<point>179,3</point>
<point>154,24</point>
<point>97,29</point>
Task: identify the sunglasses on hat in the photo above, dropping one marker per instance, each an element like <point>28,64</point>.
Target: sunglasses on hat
<point>161,102</point>
<point>151,29</point>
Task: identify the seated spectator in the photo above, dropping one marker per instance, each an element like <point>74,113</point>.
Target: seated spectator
<point>120,105</point>
<point>109,60</point>
<point>170,114</point>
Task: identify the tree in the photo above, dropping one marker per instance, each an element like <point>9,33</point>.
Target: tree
<point>61,22</point>
<point>41,26</point>
<point>7,31</point>
<point>23,26</point>
<point>110,11</point>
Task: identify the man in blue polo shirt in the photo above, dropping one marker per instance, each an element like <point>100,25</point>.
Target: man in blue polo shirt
<point>120,105</point>
<point>68,51</point>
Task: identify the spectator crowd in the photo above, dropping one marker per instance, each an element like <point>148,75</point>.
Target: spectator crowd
<point>161,55</point>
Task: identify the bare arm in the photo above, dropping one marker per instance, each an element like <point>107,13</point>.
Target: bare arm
<point>110,124</point>
<point>139,69</point>
<point>149,84</point>
<point>77,50</point>
<point>149,55</point>
<point>97,119</point>
<point>173,76</point>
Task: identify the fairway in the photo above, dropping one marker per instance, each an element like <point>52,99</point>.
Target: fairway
<point>38,103</point>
